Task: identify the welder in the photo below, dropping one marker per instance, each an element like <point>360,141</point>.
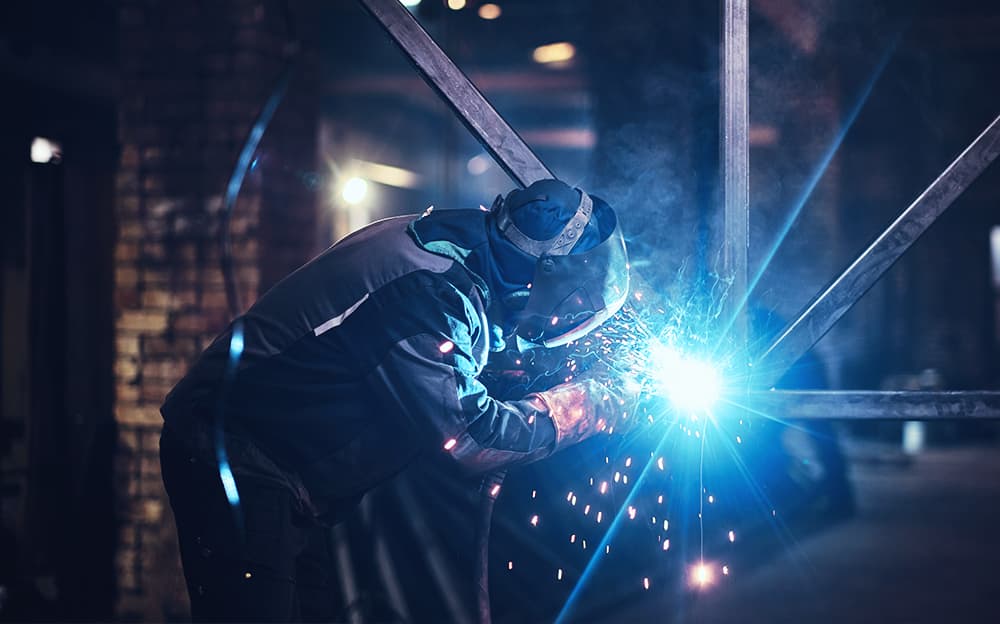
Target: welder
<point>367,357</point>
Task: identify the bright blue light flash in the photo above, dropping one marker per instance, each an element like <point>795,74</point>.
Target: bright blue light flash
<point>690,384</point>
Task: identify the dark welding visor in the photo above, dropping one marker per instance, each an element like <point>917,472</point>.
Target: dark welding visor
<point>573,293</point>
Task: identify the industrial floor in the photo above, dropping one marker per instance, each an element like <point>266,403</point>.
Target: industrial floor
<point>924,546</point>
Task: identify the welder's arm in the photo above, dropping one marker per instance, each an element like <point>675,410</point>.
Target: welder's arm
<point>431,377</point>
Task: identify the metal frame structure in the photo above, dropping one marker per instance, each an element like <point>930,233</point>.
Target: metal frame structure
<point>524,167</point>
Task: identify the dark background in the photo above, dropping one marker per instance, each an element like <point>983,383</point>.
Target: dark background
<point>110,282</point>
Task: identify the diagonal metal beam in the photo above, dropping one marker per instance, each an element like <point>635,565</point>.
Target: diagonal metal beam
<point>837,298</point>
<point>483,121</point>
<point>864,405</point>
<point>734,138</point>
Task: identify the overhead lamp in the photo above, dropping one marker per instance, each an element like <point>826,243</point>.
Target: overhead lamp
<point>490,11</point>
<point>354,191</point>
<point>45,150</point>
<point>559,52</point>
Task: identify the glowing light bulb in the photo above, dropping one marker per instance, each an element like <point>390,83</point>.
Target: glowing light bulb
<point>354,191</point>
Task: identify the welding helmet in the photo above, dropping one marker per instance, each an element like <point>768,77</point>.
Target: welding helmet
<point>576,285</point>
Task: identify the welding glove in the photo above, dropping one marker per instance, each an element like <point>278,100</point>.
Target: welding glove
<point>588,405</point>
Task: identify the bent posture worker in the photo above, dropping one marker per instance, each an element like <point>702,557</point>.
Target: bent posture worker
<point>367,356</point>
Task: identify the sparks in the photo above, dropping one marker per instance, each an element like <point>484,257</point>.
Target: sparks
<point>701,575</point>
<point>450,444</point>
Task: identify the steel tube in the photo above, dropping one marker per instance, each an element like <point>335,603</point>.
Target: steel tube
<point>838,297</point>
<point>874,405</point>
<point>483,121</point>
<point>734,124</point>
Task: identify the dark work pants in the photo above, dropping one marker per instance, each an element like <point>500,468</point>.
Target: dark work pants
<point>280,569</point>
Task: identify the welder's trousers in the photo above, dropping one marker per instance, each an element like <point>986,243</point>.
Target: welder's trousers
<point>263,563</point>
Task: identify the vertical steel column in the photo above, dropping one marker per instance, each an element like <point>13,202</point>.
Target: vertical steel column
<point>734,159</point>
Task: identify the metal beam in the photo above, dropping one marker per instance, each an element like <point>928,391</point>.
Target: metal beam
<point>837,298</point>
<point>734,138</point>
<point>871,405</point>
<point>490,129</point>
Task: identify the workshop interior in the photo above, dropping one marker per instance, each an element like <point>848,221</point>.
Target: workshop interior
<point>739,362</point>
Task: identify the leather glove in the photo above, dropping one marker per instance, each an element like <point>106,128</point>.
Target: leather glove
<point>592,403</point>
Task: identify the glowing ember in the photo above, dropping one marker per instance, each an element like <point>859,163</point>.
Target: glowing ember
<point>534,520</point>
<point>701,575</point>
<point>450,444</point>
<point>446,346</point>
<point>732,536</point>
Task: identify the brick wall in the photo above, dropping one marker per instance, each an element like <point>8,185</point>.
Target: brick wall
<point>194,75</point>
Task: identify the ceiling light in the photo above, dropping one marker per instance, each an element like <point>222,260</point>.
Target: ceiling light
<point>490,11</point>
<point>554,52</point>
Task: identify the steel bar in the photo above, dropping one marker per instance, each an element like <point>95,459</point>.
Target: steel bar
<point>872,405</point>
<point>490,129</point>
<point>383,562</point>
<point>734,123</point>
<point>433,552</point>
<point>345,574</point>
<point>837,298</point>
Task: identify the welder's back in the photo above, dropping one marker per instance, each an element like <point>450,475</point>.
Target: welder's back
<point>299,391</point>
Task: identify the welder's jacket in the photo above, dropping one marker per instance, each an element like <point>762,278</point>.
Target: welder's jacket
<point>358,361</point>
